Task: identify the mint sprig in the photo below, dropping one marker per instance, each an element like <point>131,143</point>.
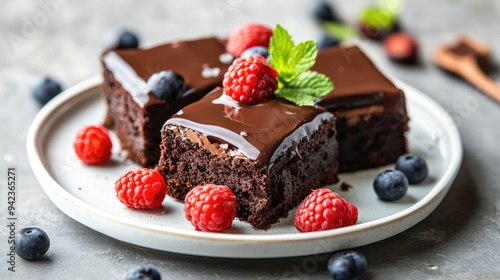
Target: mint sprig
<point>378,17</point>
<point>292,62</point>
<point>306,88</point>
<point>382,16</point>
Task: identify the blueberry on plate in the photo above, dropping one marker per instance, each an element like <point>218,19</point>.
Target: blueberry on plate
<point>390,185</point>
<point>322,11</point>
<point>31,243</point>
<point>414,168</point>
<point>143,272</point>
<point>166,85</point>
<point>328,41</point>
<point>45,89</point>
<point>347,265</point>
<point>262,51</point>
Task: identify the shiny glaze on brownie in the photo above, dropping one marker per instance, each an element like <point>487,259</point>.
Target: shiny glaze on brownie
<point>358,83</point>
<point>202,63</point>
<point>260,131</point>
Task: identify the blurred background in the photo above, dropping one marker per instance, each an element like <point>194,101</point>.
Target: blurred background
<point>64,39</point>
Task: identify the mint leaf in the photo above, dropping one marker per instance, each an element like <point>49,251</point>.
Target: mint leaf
<point>303,57</point>
<point>393,6</point>
<point>280,47</point>
<point>292,62</point>
<point>340,31</point>
<point>289,60</point>
<point>378,17</point>
<point>306,88</point>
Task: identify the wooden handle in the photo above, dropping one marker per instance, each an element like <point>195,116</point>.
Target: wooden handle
<point>478,78</point>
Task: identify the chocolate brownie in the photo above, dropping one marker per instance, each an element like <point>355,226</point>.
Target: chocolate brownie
<point>134,112</point>
<point>371,111</point>
<point>271,154</point>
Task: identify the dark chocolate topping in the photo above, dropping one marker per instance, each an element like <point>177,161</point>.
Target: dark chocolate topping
<point>198,62</point>
<point>259,131</point>
<point>358,83</point>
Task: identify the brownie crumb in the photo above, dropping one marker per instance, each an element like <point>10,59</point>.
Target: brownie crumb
<point>345,186</point>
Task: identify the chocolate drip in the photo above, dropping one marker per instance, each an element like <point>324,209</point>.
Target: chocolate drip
<point>260,132</point>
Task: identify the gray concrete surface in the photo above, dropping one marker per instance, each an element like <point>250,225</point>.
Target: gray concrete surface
<point>459,240</point>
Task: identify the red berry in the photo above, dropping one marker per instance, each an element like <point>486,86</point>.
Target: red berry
<point>210,207</point>
<point>353,217</point>
<point>93,145</point>
<point>250,80</point>
<point>401,47</point>
<point>141,189</point>
<point>249,35</point>
<point>324,210</point>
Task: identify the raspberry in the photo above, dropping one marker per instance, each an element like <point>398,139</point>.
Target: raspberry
<point>323,210</point>
<point>210,207</point>
<point>250,80</point>
<point>141,189</point>
<point>401,47</point>
<point>353,217</point>
<point>93,145</point>
<point>249,35</point>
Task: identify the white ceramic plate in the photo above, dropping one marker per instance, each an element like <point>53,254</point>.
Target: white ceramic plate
<point>86,193</point>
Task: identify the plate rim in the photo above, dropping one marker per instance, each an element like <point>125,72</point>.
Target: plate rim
<point>433,198</point>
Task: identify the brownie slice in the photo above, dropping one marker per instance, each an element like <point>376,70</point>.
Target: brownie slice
<point>371,112</point>
<point>133,112</point>
<point>271,155</point>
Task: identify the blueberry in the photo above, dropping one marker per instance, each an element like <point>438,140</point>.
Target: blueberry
<point>390,185</point>
<point>166,85</point>
<point>31,243</point>
<point>143,272</point>
<point>414,168</point>
<point>322,11</point>
<point>123,39</point>
<point>45,89</point>
<point>347,265</point>
<point>262,51</point>
<point>327,41</point>
<point>128,40</point>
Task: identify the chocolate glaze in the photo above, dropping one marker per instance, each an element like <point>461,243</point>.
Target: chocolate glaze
<point>259,131</point>
<point>358,83</point>
<point>198,62</point>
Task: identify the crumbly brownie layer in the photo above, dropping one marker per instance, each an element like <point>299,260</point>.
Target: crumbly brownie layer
<point>137,128</point>
<point>370,140</point>
<point>264,193</point>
